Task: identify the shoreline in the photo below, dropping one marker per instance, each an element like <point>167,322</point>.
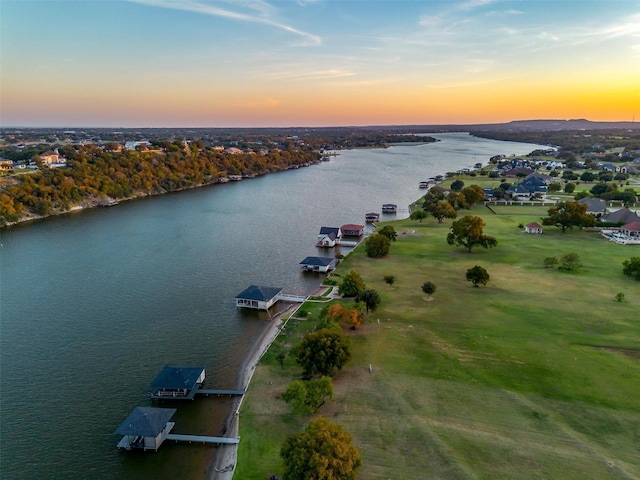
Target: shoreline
<point>225,458</point>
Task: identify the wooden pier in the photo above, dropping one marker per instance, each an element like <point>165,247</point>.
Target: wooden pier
<point>176,437</point>
<point>220,393</point>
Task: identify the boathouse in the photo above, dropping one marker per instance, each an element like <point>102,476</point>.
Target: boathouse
<point>352,230</point>
<point>177,382</point>
<point>389,208</point>
<point>372,217</point>
<point>329,236</point>
<point>145,428</point>
<point>318,264</point>
<point>257,297</point>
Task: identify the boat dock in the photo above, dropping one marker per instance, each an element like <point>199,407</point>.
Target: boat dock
<point>176,437</point>
<point>219,393</point>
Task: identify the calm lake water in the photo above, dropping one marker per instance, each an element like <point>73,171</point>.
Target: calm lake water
<point>94,303</point>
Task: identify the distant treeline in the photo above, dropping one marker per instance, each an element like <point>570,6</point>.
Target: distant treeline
<point>92,174</point>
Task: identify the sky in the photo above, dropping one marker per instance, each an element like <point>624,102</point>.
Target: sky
<point>260,63</point>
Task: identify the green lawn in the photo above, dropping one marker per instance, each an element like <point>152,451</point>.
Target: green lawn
<point>534,376</point>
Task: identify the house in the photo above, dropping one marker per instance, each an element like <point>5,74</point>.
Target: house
<point>329,236</point>
<point>595,206</point>
<point>631,231</point>
<point>318,264</point>
<point>533,184</point>
<point>257,297</point>
<point>6,164</point>
<point>533,227</point>
<point>49,157</point>
<point>624,216</point>
<point>352,230</point>
<point>176,382</point>
<point>145,428</point>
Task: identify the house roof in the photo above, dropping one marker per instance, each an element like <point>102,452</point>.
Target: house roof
<point>623,215</point>
<point>146,421</point>
<point>327,230</point>
<point>594,204</point>
<point>534,225</point>
<point>317,261</point>
<point>351,226</point>
<point>175,377</point>
<point>261,294</point>
<point>632,227</point>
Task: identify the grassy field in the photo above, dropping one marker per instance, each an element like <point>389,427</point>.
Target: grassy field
<point>535,376</point>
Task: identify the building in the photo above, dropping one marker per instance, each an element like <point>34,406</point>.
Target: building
<point>595,206</point>
<point>175,382</point>
<point>533,227</point>
<point>329,236</point>
<point>318,264</point>
<point>145,428</point>
<point>352,230</point>
<point>257,297</point>
<point>389,208</point>
<point>624,216</point>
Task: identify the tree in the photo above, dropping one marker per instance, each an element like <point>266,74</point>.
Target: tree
<point>554,187</point>
<point>632,267</point>
<point>477,275</point>
<point>419,215</point>
<point>442,209</point>
<point>587,177</point>
<point>389,279</point>
<point>429,288</point>
<point>566,215</point>
<point>569,188</point>
<point>570,261</point>
<point>352,284</point>
<point>457,185</point>
<point>550,262</point>
<point>370,298</point>
<point>473,194</point>
<point>322,352</point>
<point>389,232</point>
<point>323,450</point>
<point>306,396</point>
<point>468,232</point>
<point>377,245</point>
<point>345,315</point>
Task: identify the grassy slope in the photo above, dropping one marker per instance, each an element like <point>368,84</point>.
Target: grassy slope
<point>503,381</point>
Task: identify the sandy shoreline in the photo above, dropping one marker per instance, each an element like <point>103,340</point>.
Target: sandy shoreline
<point>225,459</point>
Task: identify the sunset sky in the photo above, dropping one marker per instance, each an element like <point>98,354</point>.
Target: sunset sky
<point>251,63</point>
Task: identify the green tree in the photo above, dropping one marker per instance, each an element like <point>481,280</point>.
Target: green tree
<point>457,185</point>
<point>587,177</point>
<point>550,262</point>
<point>566,215</point>
<point>389,279</point>
<point>419,215</point>
<point>477,275</point>
<point>306,396</point>
<point>442,209</point>
<point>570,261</point>
<point>389,232</point>
<point>632,267</point>
<point>429,288</point>
<point>322,451</point>
<point>352,284</point>
<point>554,187</point>
<point>323,352</point>
<point>468,232</point>
<point>569,188</point>
<point>377,245</point>
<point>370,298</point>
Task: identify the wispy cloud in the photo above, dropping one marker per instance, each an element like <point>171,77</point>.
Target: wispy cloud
<point>309,75</point>
<point>255,12</point>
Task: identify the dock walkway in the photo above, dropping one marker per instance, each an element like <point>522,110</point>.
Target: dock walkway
<point>220,393</point>
<point>176,437</point>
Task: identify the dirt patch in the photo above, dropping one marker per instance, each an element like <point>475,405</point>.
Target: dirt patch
<point>625,351</point>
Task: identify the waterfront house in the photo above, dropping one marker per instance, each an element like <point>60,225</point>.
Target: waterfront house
<point>352,230</point>
<point>257,297</point>
<point>533,227</point>
<point>145,428</point>
<point>176,382</point>
<point>624,216</point>
<point>318,264</point>
<point>595,206</point>
<point>329,236</point>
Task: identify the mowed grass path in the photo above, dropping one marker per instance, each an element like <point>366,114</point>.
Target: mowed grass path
<point>536,375</point>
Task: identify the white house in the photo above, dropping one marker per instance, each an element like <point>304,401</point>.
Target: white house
<point>318,264</point>
<point>329,237</point>
<point>533,227</point>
